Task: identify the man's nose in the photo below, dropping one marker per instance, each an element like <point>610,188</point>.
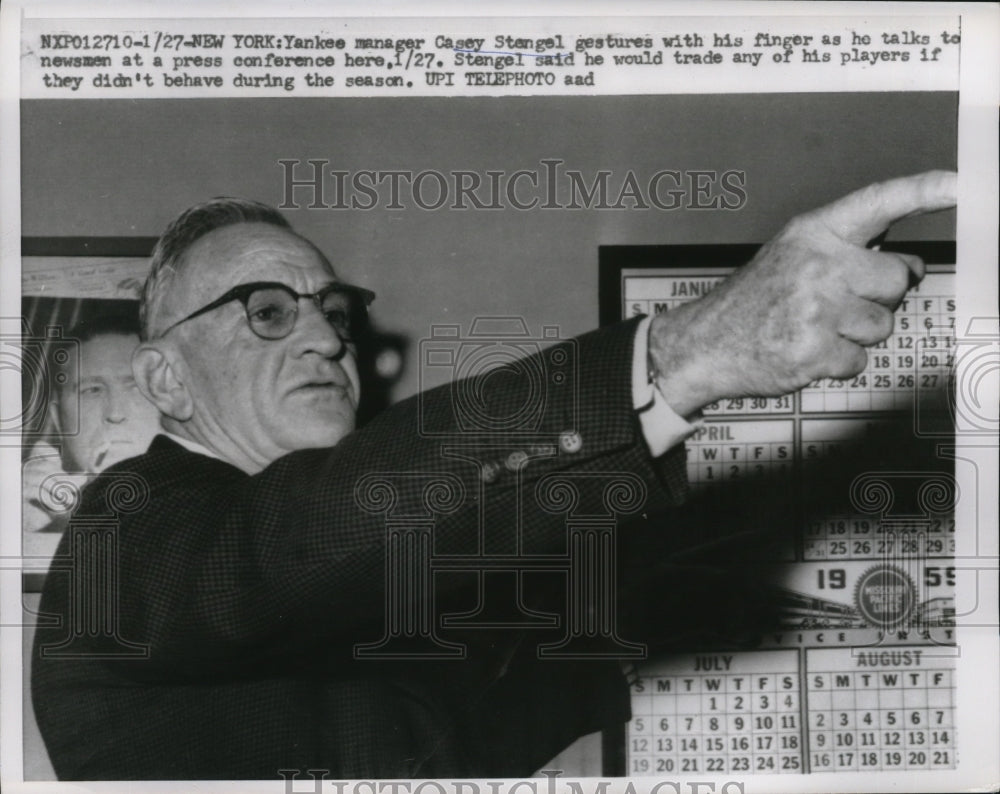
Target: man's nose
<point>314,334</point>
<point>114,408</point>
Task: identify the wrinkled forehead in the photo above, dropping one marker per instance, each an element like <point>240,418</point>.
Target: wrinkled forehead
<point>242,253</point>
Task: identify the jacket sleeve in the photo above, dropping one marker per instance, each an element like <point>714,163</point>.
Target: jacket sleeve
<point>300,555</point>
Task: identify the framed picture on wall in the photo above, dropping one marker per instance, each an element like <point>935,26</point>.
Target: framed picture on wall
<point>71,287</point>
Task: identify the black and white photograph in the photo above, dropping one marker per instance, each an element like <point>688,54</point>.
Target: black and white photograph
<point>559,397</point>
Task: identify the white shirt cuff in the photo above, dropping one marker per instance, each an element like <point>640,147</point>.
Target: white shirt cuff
<point>662,427</point>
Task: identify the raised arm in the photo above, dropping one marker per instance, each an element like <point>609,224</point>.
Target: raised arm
<point>804,308</point>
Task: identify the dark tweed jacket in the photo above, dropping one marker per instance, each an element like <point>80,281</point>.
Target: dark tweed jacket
<point>218,642</point>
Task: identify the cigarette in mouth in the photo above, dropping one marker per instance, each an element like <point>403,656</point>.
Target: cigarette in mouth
<point>101,454</point>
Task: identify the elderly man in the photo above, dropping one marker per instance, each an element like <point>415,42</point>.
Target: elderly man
<point>98,415</point>
<point>250,574</point>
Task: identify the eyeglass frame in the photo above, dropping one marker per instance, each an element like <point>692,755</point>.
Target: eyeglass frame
<point>242,293</point>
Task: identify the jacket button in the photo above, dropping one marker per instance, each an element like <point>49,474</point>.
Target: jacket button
<point>490,472</point>
<point>516,459</point>
<point>570,441</point>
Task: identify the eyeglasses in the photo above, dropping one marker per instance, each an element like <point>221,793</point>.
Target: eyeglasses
<point>272,308</point>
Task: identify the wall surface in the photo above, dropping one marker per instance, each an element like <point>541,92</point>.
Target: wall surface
<point>114,167</point>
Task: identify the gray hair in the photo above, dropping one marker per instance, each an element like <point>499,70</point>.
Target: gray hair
<point>192,224</point>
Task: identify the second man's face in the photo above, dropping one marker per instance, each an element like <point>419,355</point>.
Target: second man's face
<point>102,404</point>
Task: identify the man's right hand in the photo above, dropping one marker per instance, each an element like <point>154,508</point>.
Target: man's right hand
<point>804,308</point>
<point>46,490</point>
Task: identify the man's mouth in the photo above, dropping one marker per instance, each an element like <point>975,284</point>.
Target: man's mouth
<point>322,387</point>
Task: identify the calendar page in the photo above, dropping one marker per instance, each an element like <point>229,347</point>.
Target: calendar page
<point>858,674</point>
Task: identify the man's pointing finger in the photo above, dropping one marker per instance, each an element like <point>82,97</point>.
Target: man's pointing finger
<point>865,213</point>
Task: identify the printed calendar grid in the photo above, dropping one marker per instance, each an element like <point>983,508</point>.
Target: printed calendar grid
<point>751,718</point>
<point>916,359</point>
<point>854,537</point>
<point>908,372</point>
<point>859,536</point>
<point>886,717</point>
<point>723,451</point>
<point>745,718</point>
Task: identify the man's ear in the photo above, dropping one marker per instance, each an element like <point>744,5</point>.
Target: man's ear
<point>158,374</point>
